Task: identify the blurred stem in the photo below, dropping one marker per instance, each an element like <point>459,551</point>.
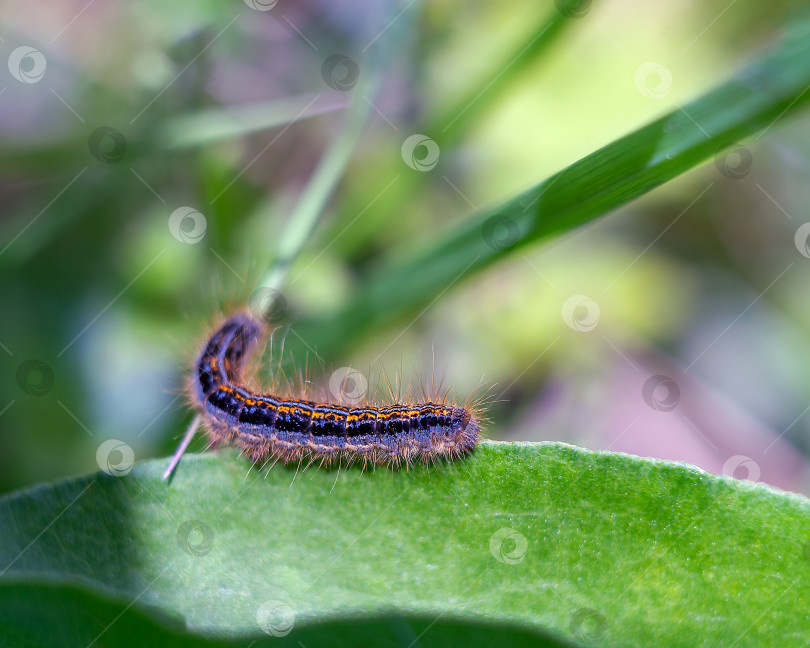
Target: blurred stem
<point>312,203</point>
<point>215,124</point>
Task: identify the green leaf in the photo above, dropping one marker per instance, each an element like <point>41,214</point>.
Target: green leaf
<point>594,547</point>
<point>760,97</point>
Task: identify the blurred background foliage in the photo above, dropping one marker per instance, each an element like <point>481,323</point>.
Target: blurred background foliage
<point>228,109</point>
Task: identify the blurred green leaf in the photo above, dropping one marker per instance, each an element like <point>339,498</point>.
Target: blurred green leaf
<point>595,547</point>
<point>769,90</point>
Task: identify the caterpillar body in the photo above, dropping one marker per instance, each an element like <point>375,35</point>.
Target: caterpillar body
<point>267,427</point>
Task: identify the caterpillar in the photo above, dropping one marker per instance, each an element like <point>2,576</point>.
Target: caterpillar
<point>267,427</point>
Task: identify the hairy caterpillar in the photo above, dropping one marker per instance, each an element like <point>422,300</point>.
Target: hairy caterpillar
<point>291,430</point>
